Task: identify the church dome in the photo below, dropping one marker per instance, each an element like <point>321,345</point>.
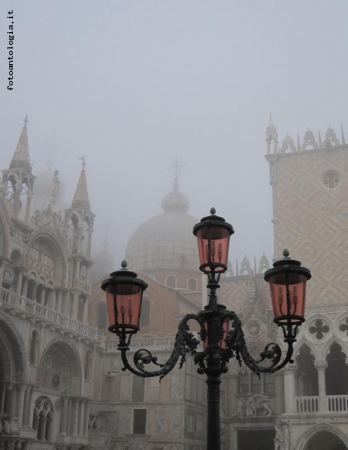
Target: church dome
<point>165,241</point>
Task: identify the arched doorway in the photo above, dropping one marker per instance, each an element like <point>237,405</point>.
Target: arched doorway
<point>325,440</point>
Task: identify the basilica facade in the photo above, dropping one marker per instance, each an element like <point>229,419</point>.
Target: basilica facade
<point>61,380</point>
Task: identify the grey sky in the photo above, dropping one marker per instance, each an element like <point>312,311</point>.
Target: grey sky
<point>130,83</point>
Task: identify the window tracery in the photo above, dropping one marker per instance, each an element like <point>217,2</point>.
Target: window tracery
<point>43,419</point>
<point>331,179</point>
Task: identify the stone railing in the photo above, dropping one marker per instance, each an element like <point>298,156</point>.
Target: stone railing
<point>337,403</point>
<point>11,301</point>
<point>78,284</point>
<point>307,404</point>
<point>150,343</point>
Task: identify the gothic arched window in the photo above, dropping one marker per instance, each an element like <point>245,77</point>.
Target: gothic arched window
<point>171,281</point>
<point>336,372</point>
<point>43,419</point>
<point>34,347</point>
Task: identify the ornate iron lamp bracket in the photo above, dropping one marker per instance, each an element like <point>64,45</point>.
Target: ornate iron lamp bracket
<point>185,343</point>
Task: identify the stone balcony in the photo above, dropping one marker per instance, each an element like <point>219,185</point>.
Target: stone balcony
<point>26,308</point>
<point>331,404</point>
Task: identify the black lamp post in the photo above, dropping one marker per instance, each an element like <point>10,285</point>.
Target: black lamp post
<point>220,330</point>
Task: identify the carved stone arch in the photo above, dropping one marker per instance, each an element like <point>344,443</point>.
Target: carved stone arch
<point>58,247</point>
<point>74,376</point>
<point>16,255</point>
<point>75,218</point>
<point>325,350</point>
<point>4,229</point>
<point>12,351</point>
<point>309,140</point>
<point>313,349</point>
<point>305,438</point>
<point>287,145</point>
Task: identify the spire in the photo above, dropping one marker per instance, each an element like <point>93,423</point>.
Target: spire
<point>342,134</point>
<point>320,142</point>
<point>81,199</point>
<point>271,136</point>
<point>21,155</point>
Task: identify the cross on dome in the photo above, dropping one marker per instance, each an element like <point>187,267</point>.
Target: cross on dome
<point>176,168</point>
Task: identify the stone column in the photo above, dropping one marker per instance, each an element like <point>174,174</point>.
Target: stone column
<point>19,283</point>
<point>75,305</point>
<point>26,406</point>
<point>64,414</point>
<point>321,367</point>
<point>27,208</point>
<point>75,415</point>
<point>34,292</point>
<point>13,405</point>
<point>89,244</point>
<point>22,389</point>
<point>81,417</point>
<point>2,266</point>
<point>85,310</point>
<point>289,388</point>
<point>3,396</point>
<point>31,406</point>
<point>42,297</point>
<point>52,300</point>
<point>25,287</point>
<point>77,268</point>
<point>86,418</point>
<point>59,296</point>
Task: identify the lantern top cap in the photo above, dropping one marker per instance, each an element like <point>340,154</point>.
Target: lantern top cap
<point>286,260</point>
<point>286,254</point>
<point>287,264</point>
<point>123,272</point>
<point>123,276</point>
<point>214,221</point>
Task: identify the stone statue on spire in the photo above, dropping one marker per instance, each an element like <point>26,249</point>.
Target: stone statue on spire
<point>176,168</point>
<point>83,162</point>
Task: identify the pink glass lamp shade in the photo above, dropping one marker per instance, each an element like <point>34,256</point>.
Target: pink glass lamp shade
<point>213,239</point>
<point>287,282</point>
<point>124,294</point>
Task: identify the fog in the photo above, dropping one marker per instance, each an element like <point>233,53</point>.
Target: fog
<point>130,84</point>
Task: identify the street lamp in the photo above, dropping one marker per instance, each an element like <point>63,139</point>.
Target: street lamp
<point>220,330</point>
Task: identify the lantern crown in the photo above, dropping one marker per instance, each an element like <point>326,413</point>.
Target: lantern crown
<point>213,238</point>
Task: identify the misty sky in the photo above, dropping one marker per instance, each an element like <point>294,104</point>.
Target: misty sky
<point>130,83</point>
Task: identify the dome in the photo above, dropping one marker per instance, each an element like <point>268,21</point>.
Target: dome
<point>165,241</point>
